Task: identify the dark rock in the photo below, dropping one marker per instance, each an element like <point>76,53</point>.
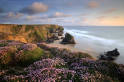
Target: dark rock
<point>50,40</point>
<point>62,37</point>
<point>55,37</point>
<point>112,53</point>
<point>109,58</point>
<point>69,39</point>
<point>102,57</point>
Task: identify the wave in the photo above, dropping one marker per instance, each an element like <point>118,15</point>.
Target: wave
<point>98,44</point>
<point>85,34</point>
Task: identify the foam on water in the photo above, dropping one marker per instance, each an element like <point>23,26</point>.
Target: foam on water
<point>84,34</point>
<point>99,40</point>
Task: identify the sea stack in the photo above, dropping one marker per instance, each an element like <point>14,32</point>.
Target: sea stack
<point>110,55</point>
<point>68,39</point>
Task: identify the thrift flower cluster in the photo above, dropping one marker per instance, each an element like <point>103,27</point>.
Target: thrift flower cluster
<point>29,46</point>
<point>46,63</point>
<point>45,70</point>
<point>64,66</point>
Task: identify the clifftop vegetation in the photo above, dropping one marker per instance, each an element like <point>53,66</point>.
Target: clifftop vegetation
<point>28,33</point>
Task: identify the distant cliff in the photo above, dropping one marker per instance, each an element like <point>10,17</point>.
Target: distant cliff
<point>29,33</point>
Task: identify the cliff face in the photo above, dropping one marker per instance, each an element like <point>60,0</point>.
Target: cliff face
<point>29,33</point>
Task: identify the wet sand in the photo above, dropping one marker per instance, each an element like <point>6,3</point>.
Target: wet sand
<point>70,47</point>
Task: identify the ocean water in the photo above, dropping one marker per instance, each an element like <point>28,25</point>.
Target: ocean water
<point>98,39</point>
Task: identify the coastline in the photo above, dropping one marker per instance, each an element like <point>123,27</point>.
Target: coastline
<point>96,40</point>
<point>69,47</point>
<point>44,61</point>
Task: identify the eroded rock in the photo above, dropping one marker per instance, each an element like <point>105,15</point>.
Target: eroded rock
<point>69,39</point>
<point>110,55</point>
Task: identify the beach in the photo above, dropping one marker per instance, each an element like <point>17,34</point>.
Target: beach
<point>95,40</point>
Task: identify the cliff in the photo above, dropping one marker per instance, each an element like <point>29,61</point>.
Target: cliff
<point>29,33</point>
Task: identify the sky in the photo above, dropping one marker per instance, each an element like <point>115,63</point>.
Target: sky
<point>63,12</point>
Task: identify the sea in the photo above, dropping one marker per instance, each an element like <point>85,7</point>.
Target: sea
<point>98,39</point>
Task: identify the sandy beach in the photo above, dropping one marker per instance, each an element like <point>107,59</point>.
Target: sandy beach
<point>69,47</point>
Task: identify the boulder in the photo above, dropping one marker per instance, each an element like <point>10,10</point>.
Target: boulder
<point>109,58</point>
<point>110,55</point>
<point>69,39</point>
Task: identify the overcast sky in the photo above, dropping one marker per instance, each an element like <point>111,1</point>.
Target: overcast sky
<point>63,12</point>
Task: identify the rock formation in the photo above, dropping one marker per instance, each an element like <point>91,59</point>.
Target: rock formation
<point>110,55</point>
<point>69,39</point>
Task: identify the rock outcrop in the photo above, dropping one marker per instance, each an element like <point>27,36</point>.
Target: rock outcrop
<point>110,55</point>
<point>30,33</point>
<point>69,39</point>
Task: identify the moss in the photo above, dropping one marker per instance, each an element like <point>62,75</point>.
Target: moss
<point>47,54</point>
<point>83,55</point>
<point>28,57</point>
<point>3,44</point>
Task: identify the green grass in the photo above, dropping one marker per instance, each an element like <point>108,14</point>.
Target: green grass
<point>3,44</point>
<point>28,57</point>
<point>83,55</point>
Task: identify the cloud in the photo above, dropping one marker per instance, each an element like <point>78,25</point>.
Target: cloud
<point>13,15</point>
<point>59,14</point>
<point>116,17</point>
<point>101,18</point>
<point>1,10</point>
<point>36,7</point>
<point>93,4</point>
<point>110,10</point>
<point>55,15</point>
<point>30,18</point>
